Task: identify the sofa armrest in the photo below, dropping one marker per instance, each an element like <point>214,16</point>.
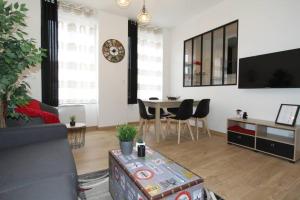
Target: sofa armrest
<point>14,137</point>
<point>49,109</point>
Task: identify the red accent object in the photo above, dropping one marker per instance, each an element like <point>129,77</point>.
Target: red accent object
<point>146,174</point>
<point>33,109</point>
<point>241,130</point>
<point>34,104</point>
<point>197,63</point>
<point>184,195</point>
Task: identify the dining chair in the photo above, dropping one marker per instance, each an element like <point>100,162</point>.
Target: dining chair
<point>151,110</point>
<point>185,112</point>
<point>173,111</point>
<point>200,114</point>
<point>145,118</point>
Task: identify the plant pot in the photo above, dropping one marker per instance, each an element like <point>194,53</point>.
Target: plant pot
<point>72,123</point>
<point>126,147</point>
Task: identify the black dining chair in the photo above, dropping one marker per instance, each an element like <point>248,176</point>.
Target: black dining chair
<point>151,110</point>
<point>200,114</point>
<point>173,111</point>
<point>144,117</point>
<point>184,113</point>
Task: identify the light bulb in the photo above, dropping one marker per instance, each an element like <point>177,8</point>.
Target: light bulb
<point>144,17</point>
<point>123,3</point>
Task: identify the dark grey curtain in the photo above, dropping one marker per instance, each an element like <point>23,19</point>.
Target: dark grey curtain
<point>49,41</point>
<point>132,61</point>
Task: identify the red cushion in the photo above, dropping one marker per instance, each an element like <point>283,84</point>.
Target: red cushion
<point>28,111</point>
<point>241,130</point>
<point>50,118</point>
<point>34,104</point>
<point>33,109</point>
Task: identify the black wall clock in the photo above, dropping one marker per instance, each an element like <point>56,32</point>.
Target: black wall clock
<point>113,50</point>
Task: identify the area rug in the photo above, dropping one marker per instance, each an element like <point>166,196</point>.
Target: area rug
<point>94,186</point>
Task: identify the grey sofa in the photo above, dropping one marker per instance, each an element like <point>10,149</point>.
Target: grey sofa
<point>36,163</point>
<point>32,120</point>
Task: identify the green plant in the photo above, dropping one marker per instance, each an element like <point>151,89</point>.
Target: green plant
<point>139,140</point>
<point>72,118</point>
<point>18,55</point>
<point>126,133</point>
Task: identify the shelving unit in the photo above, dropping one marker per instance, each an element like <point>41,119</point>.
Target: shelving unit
<point>256,135</point>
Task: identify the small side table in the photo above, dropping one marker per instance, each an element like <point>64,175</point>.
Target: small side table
<point>76,135</point>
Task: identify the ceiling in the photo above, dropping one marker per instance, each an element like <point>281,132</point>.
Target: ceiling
<point>165,13</point>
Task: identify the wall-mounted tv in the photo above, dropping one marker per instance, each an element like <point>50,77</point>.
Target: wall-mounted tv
<point>274,70</point>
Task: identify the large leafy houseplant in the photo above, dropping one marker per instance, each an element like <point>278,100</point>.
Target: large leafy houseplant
<point>18,55</point>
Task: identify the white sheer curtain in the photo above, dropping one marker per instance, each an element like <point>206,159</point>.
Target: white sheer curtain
<point>78,56</point>
<point>150,63</point>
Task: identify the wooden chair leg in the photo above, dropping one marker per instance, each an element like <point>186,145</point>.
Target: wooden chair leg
<point>162,131</point>
<point>179,131</point>
<point>184,127</point>
<point>190,129</point>
<point>148,126</point>
<point>197,129</point>
<point>144,132</point>
<point>140,127</point>
<point>165,128</point>
<point>168,126</point>
<point>206,127</point>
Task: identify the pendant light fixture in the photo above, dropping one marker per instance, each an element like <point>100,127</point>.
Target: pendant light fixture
<point>123,3</point>
<point>144,17</point>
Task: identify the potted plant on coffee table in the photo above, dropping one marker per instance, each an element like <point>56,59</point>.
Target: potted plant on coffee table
<point>126,135</point>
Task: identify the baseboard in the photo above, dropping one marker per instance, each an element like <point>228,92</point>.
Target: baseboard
<point>92,128</point>
<point>218,133</point>
<point>104,128</point>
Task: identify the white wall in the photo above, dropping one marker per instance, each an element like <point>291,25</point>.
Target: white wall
<point>264,26</point>
<point>167,41</point>
<point>113,107</point>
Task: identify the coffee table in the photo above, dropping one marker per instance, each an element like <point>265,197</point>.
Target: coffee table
<point>76,135</point>
<point>151,178</point>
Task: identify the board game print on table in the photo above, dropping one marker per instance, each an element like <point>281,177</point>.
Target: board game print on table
<point>167,183</point>
<point>155,168</point>
<point>134,165</point>
<point>198,195</point>
<point>116,173</point>
<point>153,189</point>
<point>184,195</point>
<point>153,177</point>
<point>159,161</point>
<point>143,174</point>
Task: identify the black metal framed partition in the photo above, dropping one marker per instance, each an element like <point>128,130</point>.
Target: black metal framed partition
<point>210,59</point>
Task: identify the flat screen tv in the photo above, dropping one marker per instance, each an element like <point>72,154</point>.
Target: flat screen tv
<point>274,70</point>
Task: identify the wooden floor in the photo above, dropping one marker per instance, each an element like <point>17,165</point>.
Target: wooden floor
<point>232,172</point>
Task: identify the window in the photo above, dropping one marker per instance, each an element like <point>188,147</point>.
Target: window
<point>78,58</point>
<point>211,58</point>
<point>150,63</point>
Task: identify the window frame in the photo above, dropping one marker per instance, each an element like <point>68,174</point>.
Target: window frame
<point>223,27</point>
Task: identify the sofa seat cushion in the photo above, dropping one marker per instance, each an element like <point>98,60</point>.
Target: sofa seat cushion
<point>29,164</point>
<point>57,188</point>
